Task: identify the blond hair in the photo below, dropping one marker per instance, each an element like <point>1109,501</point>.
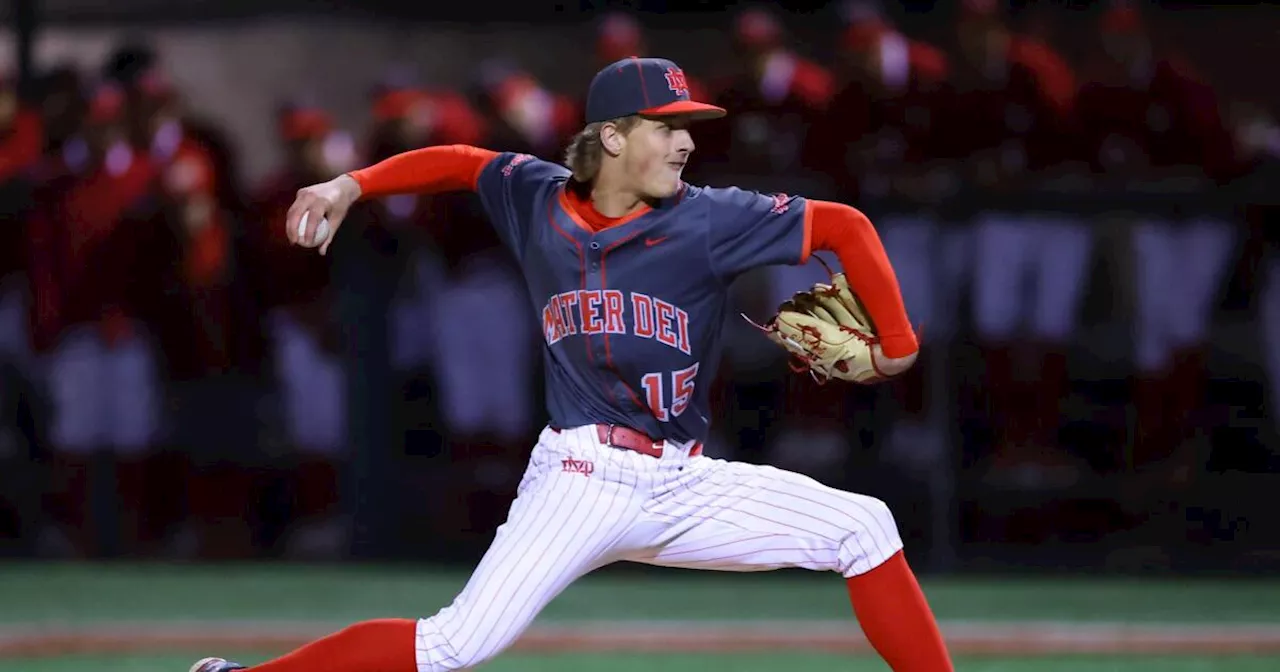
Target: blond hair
<point>586,152</point>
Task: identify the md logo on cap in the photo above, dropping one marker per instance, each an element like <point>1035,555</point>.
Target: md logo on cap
<point>676,82</point>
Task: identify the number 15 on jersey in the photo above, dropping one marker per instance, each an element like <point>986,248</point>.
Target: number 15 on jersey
<point>681,392</point>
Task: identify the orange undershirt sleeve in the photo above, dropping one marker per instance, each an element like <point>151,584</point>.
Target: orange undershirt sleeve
<point>850,235</point>
<point>430,170</point>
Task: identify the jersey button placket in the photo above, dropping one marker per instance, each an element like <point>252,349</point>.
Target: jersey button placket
<point>597,344</point>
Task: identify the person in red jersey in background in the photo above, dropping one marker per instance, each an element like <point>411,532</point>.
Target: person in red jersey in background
<point>1256,132</point>
<point>882,138</point>
<point>210,336</point>
<point>1013,123</point>
<point>464,270</point>
<point>96,279</point>
<point>407,116</point>
<point>21,147</point>
<point>779,97</point>
<point>299,302</point>
<point>780,94</point>
<point>620,35</point>
<point>161,124</point>
<point>523,112</point>
<point>1155,129</point>
<point>62,106</point>
<point>21,130</point>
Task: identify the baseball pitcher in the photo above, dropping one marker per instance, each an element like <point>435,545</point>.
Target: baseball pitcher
<point>627,267</point>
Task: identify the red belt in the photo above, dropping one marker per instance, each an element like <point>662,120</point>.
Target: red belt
<point>629,439</point>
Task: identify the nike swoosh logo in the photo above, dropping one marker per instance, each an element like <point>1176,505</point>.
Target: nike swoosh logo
<point>650,242</point>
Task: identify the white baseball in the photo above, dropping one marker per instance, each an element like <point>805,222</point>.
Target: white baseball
<point>322,232</point>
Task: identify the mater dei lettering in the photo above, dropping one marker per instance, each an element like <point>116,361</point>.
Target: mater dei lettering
<point>611,311</point>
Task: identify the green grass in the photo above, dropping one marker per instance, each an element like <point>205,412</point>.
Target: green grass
<point>35,593</point>
<point>89,594</point>
<point>700,663</point>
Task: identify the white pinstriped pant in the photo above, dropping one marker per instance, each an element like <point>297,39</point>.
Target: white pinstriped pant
<point>583,505</point>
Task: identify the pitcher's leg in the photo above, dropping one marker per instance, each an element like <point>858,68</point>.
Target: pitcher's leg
<point>738,517</point>
<point>734,516</point>
<point>563,530</point>
<point>563,524</point>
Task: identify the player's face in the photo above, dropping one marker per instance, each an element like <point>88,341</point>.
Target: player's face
<point>655,155</point>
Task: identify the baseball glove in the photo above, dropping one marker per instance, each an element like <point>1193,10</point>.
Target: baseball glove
<point>828,333</point>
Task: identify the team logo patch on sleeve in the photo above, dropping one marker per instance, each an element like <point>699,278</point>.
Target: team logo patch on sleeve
<point>781,203</point>
<point>515,161</point>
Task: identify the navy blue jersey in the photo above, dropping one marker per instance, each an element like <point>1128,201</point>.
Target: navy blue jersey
<point>631,315</point>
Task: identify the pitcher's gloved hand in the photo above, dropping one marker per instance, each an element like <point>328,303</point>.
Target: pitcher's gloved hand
<point>828,333</point>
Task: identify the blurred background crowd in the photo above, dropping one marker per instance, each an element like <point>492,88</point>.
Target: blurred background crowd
<point>1077,198</point>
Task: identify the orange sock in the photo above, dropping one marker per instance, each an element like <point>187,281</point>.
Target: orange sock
<point>896,618</point>
<point>384,645</point>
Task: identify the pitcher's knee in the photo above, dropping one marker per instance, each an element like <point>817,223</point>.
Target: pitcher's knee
<point>456,639</point>
<point>873,539</point>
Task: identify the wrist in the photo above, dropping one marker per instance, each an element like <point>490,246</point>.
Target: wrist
<point>349,187</point>
<point>899,345</point>
<point>893,366</point>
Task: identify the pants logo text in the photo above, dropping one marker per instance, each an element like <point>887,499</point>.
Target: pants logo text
<point>584,467</point>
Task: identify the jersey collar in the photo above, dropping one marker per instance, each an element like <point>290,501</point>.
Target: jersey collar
<point>584,213</point>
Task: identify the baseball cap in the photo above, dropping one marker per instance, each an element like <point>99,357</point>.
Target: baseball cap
<point>653,87</point>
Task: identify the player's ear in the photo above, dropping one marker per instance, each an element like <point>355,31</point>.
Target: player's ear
<point>611,138</point>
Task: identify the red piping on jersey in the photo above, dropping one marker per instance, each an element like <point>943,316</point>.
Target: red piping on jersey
<point>608,354</point>
<point>847,232</point>
<point>430,170</point>
<point>583,212</point>
<point>582,267</point>
<point>582,270</point>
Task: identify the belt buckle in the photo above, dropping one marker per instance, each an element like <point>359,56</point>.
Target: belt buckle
<point>608,437</point>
